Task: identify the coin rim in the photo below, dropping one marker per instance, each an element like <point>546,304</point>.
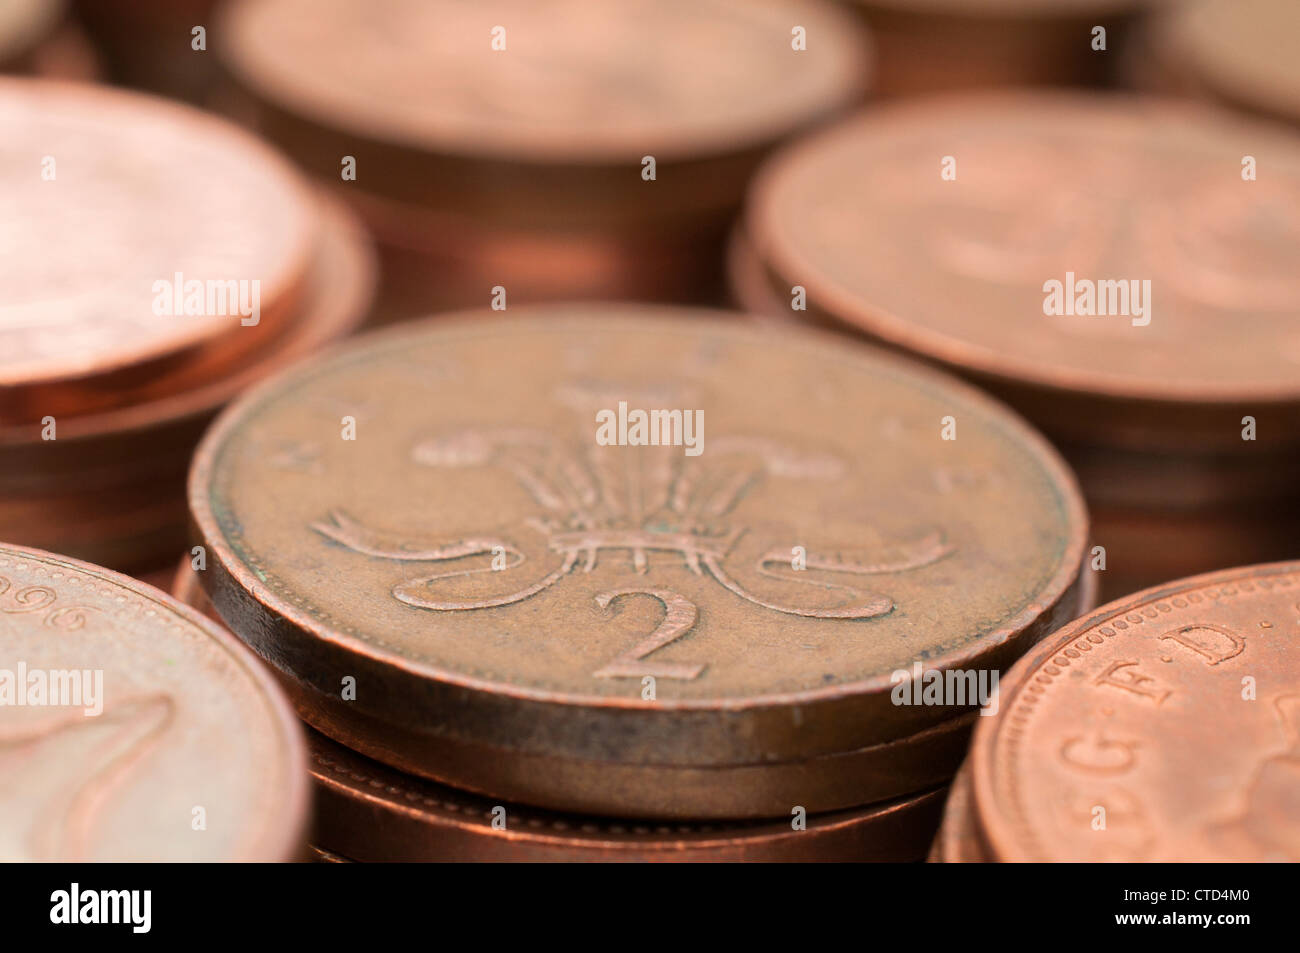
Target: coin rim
<point>270,85</point>
<point>287,833</point>
<point>274,168</point>
<point>997,834</point>
<point>472,323</point>
<point>782,258</point>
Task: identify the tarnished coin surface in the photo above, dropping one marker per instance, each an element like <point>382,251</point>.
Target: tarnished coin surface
<point>1101,247</point>
<point>552,80</point>
<point>135,229</point>
<point>459,568</point>
<point>133,729</point>
<point>1163,727</point>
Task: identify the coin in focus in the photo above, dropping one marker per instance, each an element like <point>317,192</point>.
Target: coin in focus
<point>1164,726</point>
<point>539,606</point>
<point>369,812</point>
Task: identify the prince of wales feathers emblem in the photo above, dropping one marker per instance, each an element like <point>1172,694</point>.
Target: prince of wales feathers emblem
<point>633,501</point>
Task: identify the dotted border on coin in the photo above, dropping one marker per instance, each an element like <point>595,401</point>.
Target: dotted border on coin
<point>1005,753</point>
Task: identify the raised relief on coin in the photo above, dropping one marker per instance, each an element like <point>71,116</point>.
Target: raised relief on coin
<point>1162,727</point>
<point>1100,245</point>
<point>636,506</point>
<point>134,229</point>
<point>1267,821</point>
<point>120,715</point>
<point>795,551</point>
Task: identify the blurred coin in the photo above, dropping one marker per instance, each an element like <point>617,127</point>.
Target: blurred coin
<point>379,814</point>
<point>132,729</point>
<point>941,229</point>
<point>958,840</point>
<point>555,149</point>
<point>525,610</point>
<point>110,487</point>
<point>1243,52</point>
<point>137,232</point>
<point>1163,726</point>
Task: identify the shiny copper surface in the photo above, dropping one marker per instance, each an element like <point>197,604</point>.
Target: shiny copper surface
<point>1160,727</point>
<point>190,727</point>
<point>110,487</point>
<point>1049,184</point>
<point>110,193</point>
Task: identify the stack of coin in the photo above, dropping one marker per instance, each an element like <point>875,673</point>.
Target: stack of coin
<point>924,46</point>
<point>468,559</point>
<point>528,150</point>
<point>133,729</point>
<point>1121,271</point>
<point>1162,727</point>
<point>1239,52</point>
<point>157,262</point>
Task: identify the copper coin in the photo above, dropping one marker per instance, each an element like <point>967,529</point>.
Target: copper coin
<point>1077,191</point>
<point>111,486</point>
<point>133,729</point>
<point>1162,727</point>
<point>877,772</point>
<point>375,813</point>
<point>127,216</point>
<point>1240,51</point>
<point>371,812</point>
<point>555,81</point>
<point>372,559</point>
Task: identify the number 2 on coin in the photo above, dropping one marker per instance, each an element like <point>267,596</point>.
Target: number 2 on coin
<point>679,616</point>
